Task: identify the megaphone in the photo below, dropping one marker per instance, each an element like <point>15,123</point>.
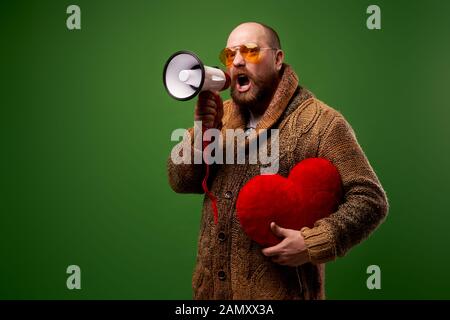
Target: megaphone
<point>185,76</point>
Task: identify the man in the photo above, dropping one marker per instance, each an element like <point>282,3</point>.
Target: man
<point>266,95</point>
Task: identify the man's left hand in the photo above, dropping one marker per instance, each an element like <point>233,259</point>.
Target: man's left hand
<point>291,251</point>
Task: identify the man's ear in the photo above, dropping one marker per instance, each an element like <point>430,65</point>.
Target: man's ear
<point>279,59</point>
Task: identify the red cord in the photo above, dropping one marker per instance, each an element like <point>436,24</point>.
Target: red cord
<point>210,195</point>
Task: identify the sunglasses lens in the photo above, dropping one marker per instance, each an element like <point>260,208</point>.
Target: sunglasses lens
<point>227,56</point>
<point>250,52</point>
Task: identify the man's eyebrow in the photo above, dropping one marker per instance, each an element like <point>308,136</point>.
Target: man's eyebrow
<point>258,43</point>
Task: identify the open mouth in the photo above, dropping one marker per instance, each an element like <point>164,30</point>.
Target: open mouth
<point>242,83</point>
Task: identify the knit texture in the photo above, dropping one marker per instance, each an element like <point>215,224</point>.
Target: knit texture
<point>231,266</point>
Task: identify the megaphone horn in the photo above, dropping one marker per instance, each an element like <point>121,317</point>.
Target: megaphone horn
<point>185,76</point>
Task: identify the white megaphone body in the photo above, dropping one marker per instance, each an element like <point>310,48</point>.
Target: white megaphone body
<point>185,76</point>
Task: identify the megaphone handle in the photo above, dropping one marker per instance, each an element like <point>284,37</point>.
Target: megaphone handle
<point>219,105</point>
<point>210,195</point>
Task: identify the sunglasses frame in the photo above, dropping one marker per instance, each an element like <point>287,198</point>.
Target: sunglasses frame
<point>247,46</point>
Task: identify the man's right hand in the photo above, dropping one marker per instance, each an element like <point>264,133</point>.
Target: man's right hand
<point>209,109</point>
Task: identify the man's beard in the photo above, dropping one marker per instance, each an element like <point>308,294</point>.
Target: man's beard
<point>258,97</point>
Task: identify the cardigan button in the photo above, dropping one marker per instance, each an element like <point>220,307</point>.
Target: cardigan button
<point>228,195</point>
<point>222,236</point>
<point>221,274</point>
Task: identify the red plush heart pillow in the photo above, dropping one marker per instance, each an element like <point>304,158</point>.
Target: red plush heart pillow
<point>312,191</point>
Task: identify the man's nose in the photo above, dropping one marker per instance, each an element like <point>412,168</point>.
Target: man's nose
<point>238,60</point>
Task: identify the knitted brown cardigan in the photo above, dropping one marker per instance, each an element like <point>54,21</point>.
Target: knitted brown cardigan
<point>230,265</point>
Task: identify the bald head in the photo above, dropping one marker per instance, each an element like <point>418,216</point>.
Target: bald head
<point>258,32</point>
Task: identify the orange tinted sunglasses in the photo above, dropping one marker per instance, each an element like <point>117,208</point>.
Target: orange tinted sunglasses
<point>251,52</point>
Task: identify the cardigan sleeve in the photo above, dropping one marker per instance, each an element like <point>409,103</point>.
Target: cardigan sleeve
<point>185,176</point>
<point>365,205</point>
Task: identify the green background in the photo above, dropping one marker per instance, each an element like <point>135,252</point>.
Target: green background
<point>85,129</point>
